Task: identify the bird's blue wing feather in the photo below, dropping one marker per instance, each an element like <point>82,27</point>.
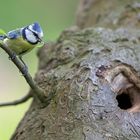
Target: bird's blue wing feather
<point>14,34</point>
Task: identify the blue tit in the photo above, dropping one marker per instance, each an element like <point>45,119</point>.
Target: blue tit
<point>23,40</point>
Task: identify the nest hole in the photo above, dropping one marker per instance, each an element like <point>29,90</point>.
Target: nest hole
<point>124,101</point>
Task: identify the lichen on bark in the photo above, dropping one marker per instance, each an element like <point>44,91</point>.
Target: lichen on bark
<point>83,107</point>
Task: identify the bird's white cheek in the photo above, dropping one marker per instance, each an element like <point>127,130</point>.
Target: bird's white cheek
<point>30,36</point>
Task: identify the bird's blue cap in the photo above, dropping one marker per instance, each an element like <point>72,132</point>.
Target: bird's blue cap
<point>36,27</point>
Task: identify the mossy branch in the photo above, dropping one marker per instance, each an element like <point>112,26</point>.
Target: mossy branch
<point>37,91</point>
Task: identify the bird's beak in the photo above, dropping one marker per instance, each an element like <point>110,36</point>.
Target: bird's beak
<point>39,40</point>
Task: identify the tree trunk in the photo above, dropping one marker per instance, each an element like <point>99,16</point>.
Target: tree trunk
<point>87,101</point>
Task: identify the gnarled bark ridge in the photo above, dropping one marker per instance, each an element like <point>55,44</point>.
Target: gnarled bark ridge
<point>82,106</point>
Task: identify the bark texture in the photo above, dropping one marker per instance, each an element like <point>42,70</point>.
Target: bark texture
<point>83,106</point>
<point>108,13</point>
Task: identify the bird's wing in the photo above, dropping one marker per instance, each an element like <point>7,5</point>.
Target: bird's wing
<point>14,34</point>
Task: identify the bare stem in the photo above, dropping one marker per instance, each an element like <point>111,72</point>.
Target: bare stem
<point>16,102</point>
<point>37,91</point>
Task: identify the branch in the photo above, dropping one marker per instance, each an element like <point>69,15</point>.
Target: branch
<point>38,92</point>
<point>16,102</point>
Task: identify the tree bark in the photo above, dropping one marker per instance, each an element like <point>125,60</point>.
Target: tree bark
<point>108,13</point>
<point>84,104</point>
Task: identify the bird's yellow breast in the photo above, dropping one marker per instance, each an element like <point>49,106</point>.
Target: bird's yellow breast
<point>19,46</point>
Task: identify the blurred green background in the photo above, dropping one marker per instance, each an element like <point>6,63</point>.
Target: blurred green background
<point>54,16</point>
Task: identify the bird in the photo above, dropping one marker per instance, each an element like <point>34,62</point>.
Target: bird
<point>23,40</point>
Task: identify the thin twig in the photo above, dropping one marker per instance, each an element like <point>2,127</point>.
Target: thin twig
<point>16,102</point>
<point>38,92</point>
